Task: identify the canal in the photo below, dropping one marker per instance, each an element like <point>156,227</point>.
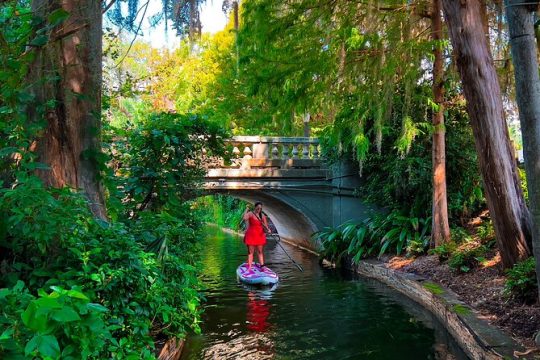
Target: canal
<point>320,313</point>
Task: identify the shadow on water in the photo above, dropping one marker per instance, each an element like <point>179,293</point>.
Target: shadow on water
<point>320,313</point>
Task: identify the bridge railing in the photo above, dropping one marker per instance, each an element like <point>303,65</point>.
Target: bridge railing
<point>273,152</point>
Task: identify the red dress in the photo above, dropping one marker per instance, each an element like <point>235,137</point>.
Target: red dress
<point>255,233</point>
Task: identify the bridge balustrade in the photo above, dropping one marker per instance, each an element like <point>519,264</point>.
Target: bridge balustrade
<point>251,152</point>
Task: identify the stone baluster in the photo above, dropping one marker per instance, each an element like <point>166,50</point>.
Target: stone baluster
<point>275,150</point>
<point>247,151</point>
<point>295,151</point>
<point>315,151</point>
<point>236,154</point>
<point>285,151</point>
<point>247,156</point>
<point>305,151</point>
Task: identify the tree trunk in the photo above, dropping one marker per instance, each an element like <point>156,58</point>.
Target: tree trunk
<point>523,45</point>
<point>235,15</point>
<point>485,17</point>
<point>68,71</point>
<point>504,196</point>
<point>440,227</point>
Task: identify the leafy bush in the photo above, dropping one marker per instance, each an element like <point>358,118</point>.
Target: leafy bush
<point>223,210</point>
<point>375,236</point>
<point>111,281</point>
<point>333,246</point>
<point>485,231</point>
<point>62,246</point>
<point>521,281</point>
<point>402,232</point>
<point>64,317</point>
<point>459,235</point>
<point>465,260</point>
<point>444,251</point>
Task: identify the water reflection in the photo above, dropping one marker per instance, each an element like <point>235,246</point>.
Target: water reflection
<point>257,313</point>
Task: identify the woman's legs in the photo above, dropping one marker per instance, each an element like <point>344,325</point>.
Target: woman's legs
<point>260,254</point>
<point>251,250</point>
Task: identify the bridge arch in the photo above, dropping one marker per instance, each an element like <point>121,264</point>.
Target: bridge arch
<point>293,220</point>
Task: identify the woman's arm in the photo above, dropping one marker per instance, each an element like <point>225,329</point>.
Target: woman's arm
<point>247,214</point>
<point>265,222</point>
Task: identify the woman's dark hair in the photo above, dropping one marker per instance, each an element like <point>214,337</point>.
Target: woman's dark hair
<point>258,203</point>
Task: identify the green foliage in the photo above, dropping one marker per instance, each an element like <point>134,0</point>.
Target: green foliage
<point>375,236</point>
<point>404,182</point>
<point>433,288</point>
<point>54,241</point>
<point>466,259</point>
<point>62,317</point>
<point>74,286</point>
<point>461,309</point>
<point>460,235</point>
<point>521,281</point>
<point>159,162</point>
<point>444,251</point>
<point>225,211</point>
<point>485,231</point>
<point>523,182</point>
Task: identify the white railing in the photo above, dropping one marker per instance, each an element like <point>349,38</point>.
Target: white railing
<point>274,147</point>
<point>249,152</point>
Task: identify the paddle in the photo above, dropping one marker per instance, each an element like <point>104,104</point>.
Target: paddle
<point>285,251</point>
<point>279,241</point>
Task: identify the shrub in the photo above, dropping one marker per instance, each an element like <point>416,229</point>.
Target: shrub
<point>459,235</point>
<point>464,260</point>
<point>375,236</point>
<point>444,251</point>
<point>521,281</point>
<point>62,246</point>
<point>486,231</point>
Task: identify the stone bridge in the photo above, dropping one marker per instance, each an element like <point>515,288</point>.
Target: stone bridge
<point>301,193</point>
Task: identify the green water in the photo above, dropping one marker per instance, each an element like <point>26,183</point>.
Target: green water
<point>316,314</point>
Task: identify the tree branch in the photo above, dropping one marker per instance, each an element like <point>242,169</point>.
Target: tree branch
<point>106,8</point>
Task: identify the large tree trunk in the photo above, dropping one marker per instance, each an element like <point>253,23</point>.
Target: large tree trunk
<point>235,15</point>
<point>523,45</point>
<point>440,226</point>
<point>504,196</point>
<point>68,71</point>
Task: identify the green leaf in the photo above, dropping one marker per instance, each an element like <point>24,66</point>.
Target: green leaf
<point>6,334</point>
<point>401,242</point>
<point>39,40</point>
<point>57,17</point>
<point>389,236</point>
<point>77,294</point>
<point>46,345</point>
<point>32,320</point>
<point>414,223</point>
<point>96,307</point>
<point>66,314</point>
<point>48,302</point>
<point>384,247</point>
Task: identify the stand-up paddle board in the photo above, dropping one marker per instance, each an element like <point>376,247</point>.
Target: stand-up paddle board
<point>256,276</point>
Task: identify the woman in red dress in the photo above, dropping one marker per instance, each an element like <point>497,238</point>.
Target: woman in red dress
<point>255,237</point>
